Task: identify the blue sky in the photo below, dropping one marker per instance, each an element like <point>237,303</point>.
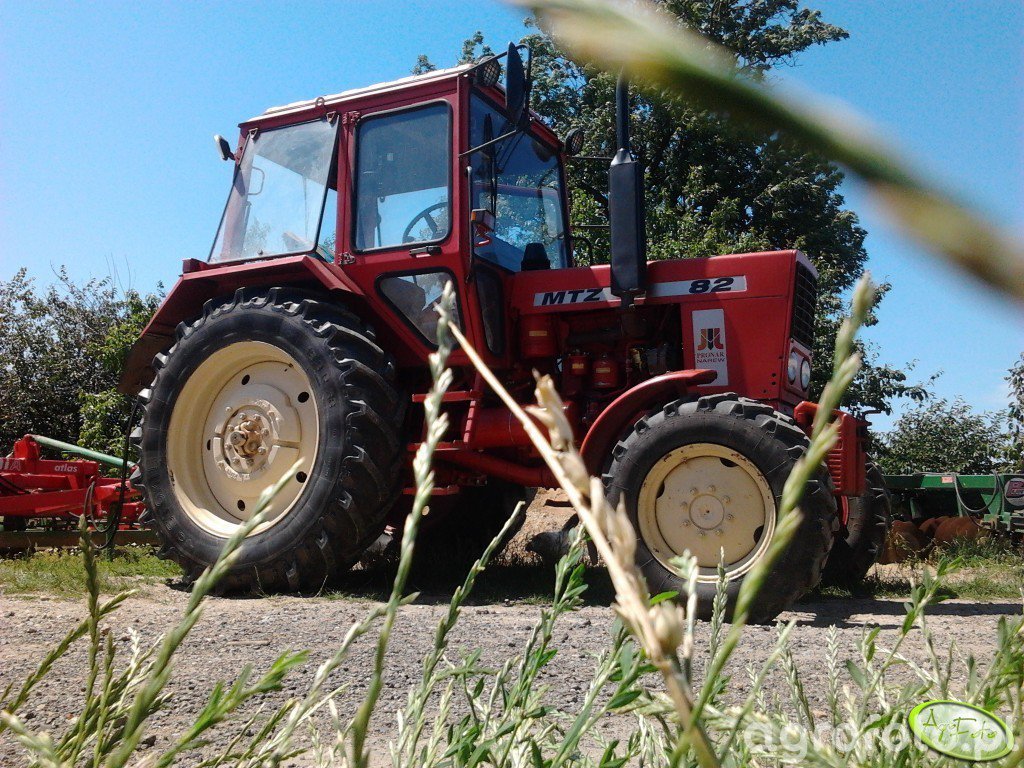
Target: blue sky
<point>106,113</point>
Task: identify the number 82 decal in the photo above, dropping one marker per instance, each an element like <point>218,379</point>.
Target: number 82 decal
<point>712,285</point>
<point>736,284</point>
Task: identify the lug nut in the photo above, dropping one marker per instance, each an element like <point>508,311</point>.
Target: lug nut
<point>711,489</point>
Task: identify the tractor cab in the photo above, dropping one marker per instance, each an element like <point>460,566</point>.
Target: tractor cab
<point>402,187</point>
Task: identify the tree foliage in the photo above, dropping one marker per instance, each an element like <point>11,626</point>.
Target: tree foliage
<point>61,352</point>
<point>1015,378</point>
<point>712,187</point>
<point>946,437</point>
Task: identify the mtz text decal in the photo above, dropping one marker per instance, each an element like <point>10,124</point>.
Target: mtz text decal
<point>573,296</point>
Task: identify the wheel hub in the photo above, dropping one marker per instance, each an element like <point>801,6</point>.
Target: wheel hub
<point>244,417</point>
<point>707,512</point>
<point>710,501</point>
<point>250,434</point>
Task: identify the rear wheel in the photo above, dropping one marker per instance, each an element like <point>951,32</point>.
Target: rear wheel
<point>861,544</point>
<point>258,384</point>
<point>706,476</point>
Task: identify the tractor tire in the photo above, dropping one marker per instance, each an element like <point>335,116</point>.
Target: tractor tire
<point>861,544</point>
<point>706,475</point>
<point>459,529</point>
<point>261,381</point>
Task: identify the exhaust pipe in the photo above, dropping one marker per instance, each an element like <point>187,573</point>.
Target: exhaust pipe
<point>626,209</point>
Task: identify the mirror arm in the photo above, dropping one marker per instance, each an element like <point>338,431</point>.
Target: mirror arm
<point>519,47</point>
<point>490,143</point>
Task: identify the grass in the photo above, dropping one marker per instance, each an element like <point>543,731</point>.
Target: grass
<point>989,569</point>
<point>511,579</point>
<point>62,572</point>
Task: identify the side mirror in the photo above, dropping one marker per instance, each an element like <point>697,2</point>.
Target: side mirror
<point>626,210</point>
<point>483,222</point>
<point>626,222</point>
<point>517,87</point>
<point>226,152</point>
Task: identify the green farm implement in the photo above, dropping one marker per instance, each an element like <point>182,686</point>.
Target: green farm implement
<point>995,501</point>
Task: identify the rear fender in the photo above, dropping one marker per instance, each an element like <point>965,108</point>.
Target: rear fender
<point>623,412</point>
<point>201,282</point>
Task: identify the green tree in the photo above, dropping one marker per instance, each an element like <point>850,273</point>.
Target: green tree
<point>945,437</point>
<point>712,188</point>
<point>1015,378</point>
<point>422,65</point>
<point>61,352</point>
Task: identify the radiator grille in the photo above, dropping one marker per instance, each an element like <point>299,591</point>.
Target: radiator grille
<point>805,299</point>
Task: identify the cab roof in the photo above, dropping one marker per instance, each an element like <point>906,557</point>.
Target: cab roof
<point>426,77</point>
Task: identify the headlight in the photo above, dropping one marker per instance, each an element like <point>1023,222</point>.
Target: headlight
<point>805,374</point>
<point>793,368</point>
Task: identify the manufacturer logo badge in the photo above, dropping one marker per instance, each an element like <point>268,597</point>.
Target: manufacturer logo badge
<point>710,338</point>
<point>710,343</point>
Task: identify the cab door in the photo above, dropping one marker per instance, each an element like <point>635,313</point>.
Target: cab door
<point>403,230</point>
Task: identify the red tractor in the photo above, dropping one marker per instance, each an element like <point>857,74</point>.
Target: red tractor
<point>304,337</point>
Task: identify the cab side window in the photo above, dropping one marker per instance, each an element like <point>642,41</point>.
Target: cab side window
<point>403,184</point>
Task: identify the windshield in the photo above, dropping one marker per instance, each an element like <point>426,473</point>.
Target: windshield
<point>520,180</point>
<point>277,199</point>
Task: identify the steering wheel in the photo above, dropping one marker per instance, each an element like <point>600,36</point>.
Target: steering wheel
<point>431,223</point>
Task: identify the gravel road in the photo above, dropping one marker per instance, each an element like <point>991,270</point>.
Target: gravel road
<point>236,632</point>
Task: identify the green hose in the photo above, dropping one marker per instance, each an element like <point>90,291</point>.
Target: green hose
<point>79,451</point>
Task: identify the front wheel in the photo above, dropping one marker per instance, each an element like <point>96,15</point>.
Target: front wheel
<point>260,383</point>
<point>706,476</point>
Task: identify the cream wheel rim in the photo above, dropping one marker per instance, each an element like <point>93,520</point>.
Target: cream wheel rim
<point>243,418</point>
<point>709,500</point>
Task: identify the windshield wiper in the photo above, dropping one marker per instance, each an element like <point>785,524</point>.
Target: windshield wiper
<point>506,152</point>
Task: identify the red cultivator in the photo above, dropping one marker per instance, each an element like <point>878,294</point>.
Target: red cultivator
<point>41,500</point>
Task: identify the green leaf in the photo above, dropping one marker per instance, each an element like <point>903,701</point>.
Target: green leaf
<point>663,596</point>
<point>620,700</point>
<point>856,674</point>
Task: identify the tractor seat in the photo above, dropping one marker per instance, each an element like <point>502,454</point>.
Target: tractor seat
<point>535,257</point>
